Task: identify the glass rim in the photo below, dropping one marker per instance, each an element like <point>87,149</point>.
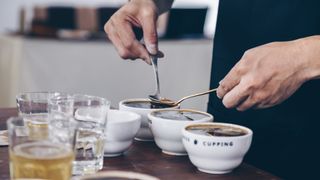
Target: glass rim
<point>20,98</point>
<point>101,99</point>
<point>57,94</point>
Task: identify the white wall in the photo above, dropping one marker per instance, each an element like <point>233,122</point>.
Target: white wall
<point>95,68</point>
<point>9,10</point>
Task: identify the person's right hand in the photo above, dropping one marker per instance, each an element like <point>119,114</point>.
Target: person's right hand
<point>119,28</point>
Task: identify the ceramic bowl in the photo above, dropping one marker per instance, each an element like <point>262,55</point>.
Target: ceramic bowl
<point>166,126</point>
<point>122,126</point>
<point>216,154</point>
<point>144,133</point>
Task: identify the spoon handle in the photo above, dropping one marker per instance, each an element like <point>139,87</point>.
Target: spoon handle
<point>154,60</point>
<point>195,95</point>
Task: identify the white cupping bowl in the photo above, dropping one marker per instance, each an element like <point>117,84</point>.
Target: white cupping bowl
<point>167,132</point>
<point>216,154</point>
<point>144,133</point>
<point>122,126</point>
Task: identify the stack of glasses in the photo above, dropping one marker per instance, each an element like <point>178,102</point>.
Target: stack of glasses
<point>57,135</point>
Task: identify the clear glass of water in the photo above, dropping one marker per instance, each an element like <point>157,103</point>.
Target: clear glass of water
<point>30,103</point>
<point>33,107</point>
<point>90,113</point>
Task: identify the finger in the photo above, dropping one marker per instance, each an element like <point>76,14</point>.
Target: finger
<point>114,38</point>
<point>141,52</point>
<point>229,82</point>
<point>246,104</point>
<point>130,43</point>
<point>148,24</point>
<point>235,96</point>
<point>112,35</point>
<point>221,91</point>
<point>122,51</point>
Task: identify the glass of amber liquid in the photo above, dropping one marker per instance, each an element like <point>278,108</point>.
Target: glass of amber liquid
<point>49,157</point>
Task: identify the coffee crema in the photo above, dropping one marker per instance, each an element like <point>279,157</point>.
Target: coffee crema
<point>145,105</point>
<point>216,130</point>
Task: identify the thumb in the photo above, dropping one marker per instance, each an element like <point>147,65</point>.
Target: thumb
<point>150,33</point>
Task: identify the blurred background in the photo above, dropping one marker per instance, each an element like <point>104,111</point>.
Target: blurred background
<point>60,45</point>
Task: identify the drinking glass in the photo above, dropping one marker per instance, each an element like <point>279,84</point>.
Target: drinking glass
<point>90,113</point>
<point>30,103</point>
<point>33,106</point>
<point>48,157</point>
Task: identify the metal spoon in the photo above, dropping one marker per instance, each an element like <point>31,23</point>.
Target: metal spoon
<point>156,96</point>
<point>173,103</point>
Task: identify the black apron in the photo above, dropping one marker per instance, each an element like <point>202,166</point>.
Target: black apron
<point>285,136</point>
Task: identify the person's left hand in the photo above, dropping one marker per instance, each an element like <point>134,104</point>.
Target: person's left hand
<point>266,75</point>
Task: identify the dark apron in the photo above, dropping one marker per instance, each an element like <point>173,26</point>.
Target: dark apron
<point>285,136</point>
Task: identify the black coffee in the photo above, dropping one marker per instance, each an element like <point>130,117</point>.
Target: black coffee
<point>180,115</point>
<point>216,130</point>
<point>145,105</point>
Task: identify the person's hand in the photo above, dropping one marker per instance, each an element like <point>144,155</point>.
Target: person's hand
<point>119,28</point>
<point>267,75</point>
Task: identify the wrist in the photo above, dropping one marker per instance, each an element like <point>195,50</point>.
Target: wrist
<point>309,48</point>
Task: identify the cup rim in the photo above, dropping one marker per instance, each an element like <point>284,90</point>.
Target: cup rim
<point>248,130</point>
<point>209,116</point>
<point>121,103</point>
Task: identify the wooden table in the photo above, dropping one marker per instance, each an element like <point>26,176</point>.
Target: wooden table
<point>146,157</point>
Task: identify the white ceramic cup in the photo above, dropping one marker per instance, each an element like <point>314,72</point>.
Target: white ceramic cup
<point>144,133</point>
<point>216,154</point>
<point>167,129</point>
<point>122,126</point>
